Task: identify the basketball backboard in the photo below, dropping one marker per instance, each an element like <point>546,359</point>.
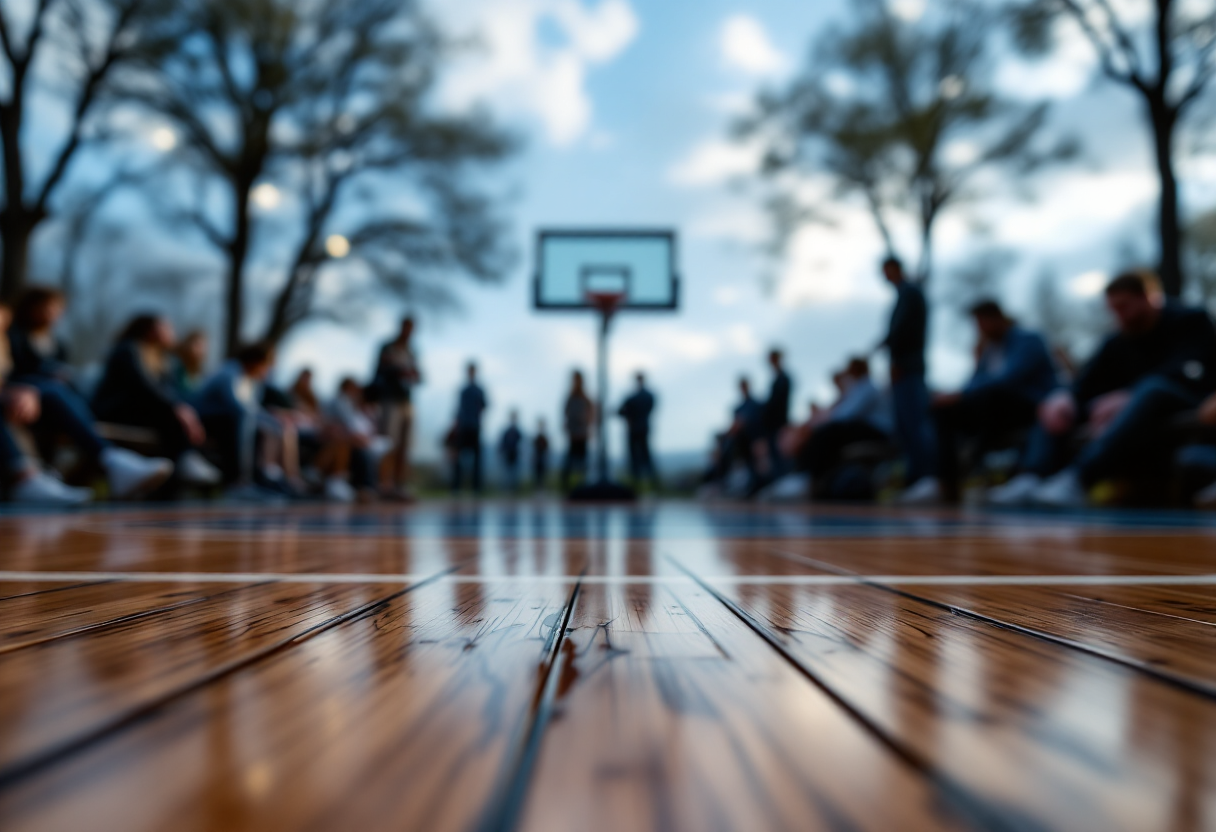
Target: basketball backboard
<point>573,266</point>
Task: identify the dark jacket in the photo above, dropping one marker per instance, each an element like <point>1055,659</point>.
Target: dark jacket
<point>905,340</point>
<point>471,405</point>
<point>27,361</point>
<point>509,445</point>
<point>636,412</point>
<point>750,416</point>
<point>1180,348</point>
<point>127,391</point>
<point>777,408</point>
<point>1021,363</point>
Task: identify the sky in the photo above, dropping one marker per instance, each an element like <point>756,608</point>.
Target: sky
<point>625,106</point>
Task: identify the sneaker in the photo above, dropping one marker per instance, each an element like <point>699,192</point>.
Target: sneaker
<point>132,475</point>
<point>926,491</point>
<point>1064,490</point>
<point>1016,492</point>
<point>195,470</point>
<point>339,490</point>
<point>254,494</point>
<point>42,489</point>
<point>1207,497</point>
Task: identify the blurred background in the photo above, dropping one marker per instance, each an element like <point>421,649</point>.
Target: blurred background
<point>309,171</point>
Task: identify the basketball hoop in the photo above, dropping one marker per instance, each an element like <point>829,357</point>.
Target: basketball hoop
<point>605,302</point>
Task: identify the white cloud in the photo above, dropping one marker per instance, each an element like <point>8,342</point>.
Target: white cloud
<point>908,10</point>
<point>742,339</point>
<point>1088,285</point>
<point>1066,72</point>
<point>746,46</point>
<point>1076,205</point>
<point>713,162</point>
<point>515,70</point>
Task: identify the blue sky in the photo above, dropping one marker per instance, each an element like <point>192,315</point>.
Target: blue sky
<point>625,105</point>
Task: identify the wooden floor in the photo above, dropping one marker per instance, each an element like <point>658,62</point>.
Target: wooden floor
<point>668,667</point>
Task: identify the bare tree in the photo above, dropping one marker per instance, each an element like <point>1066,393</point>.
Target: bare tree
<point>331,103</point>
<point>901,113</point>
<point>78,47</point>
<point>1168,60</point>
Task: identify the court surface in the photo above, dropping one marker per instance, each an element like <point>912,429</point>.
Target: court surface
<point>677,666</point>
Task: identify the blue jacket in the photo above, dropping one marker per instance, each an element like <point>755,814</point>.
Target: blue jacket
<point>905,341</point>
<point>636,411</point>
<point>218,395</point>
<point>1021,363</point>
<point>470,407</point>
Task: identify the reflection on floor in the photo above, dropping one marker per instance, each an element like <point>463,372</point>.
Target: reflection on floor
<point>672,666</point>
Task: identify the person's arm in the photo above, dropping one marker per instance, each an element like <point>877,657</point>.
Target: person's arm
<point>1100,375</point>
<point>135,378</point>
<point>1025,356</point>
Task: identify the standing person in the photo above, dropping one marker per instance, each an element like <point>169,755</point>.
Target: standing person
<point>36,351</point>
<point>636,411</point>
<point>777,413</point>
<point>136,389</point>
<point>230,405</point>
<point>745,431</point>
<point>905,344</point>
<point>509,446</point>
<point>470,407</point>
<point>397,373</point>
<point>540,456</point>
<point>579,416</point>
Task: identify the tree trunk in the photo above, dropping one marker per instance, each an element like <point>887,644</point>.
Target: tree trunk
<point>16,228</point>
<point>1169,226</point>
<point>238,253</point>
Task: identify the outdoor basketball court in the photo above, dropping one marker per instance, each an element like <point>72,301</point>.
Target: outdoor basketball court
<point>675,666</point>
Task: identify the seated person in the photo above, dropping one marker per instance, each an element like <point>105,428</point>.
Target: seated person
<point>136,389</point>
<point>368,450</point>
<point>1159,363</point>
<point>52,409</point>
<point>229,404</point>
<point>189,367</point>
<point>22,477</point>
<point>746,430</point>
<point>1014,372</point>
<point>862,414</point>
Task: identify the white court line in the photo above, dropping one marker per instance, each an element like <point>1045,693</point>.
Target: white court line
<point>759,580</point>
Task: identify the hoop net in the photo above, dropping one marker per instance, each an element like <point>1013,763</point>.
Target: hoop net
<point>606,302</point>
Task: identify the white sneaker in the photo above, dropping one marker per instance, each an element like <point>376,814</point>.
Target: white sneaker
<point>132,475</point>
<point>1064,490</point>
<point>1016,492</point>
<point>926,491</point>
<point>43,489</point>
<point>195,470</point>
<point>1207,497</point>
<point>339,490</point>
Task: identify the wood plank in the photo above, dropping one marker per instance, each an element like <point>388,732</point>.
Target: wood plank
<point>54,692</point>
<point>1063,739</point>
<point>675,716</point>
<point>401,720</point>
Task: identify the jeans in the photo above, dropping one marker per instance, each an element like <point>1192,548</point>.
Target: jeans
<point>913,426</point>
<point>64,412</point>
<point>12,458</point>
<point>641,465</point>
<point>982,416</point>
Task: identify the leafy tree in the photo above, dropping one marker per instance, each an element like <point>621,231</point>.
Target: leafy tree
<point>901,113</point>
<point>1167,56</point>
<point>331,106</point>
<point>76,47</point>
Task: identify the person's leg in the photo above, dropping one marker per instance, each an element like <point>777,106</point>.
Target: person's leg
<point>648,461</point>
<point>475,439</point>
<point>63,411</point>
<point>1137,434</point>
<point>13,461</point>
<point>827,443</point>
<point>913,426</point>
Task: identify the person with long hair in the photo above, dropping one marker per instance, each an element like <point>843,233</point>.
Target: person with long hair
<point>40,364</point>
<point>579,415</point>
<point>136,389</point>
<point>397,373</point>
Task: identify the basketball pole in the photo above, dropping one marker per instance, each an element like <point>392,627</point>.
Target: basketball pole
<point>601,433</point>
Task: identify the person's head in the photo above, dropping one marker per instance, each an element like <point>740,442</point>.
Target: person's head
<point>193,349</point>
<point>640,378</point>
<point>1134,299</point>
<point>350,388</point>
<point>893,270</point>
<point>576,382</point>
<point>39,308</point>
<point>407,329</point>
<point>471,371</point>
<point>775,357</point>
<point>149,329</point>
<point>990,320</point>
<point>256,360</point>
<point>745,387</point>
<point>303,380</point>
<point>857,368</point>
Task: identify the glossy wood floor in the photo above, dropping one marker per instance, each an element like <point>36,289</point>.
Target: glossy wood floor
<point>667,667</point>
